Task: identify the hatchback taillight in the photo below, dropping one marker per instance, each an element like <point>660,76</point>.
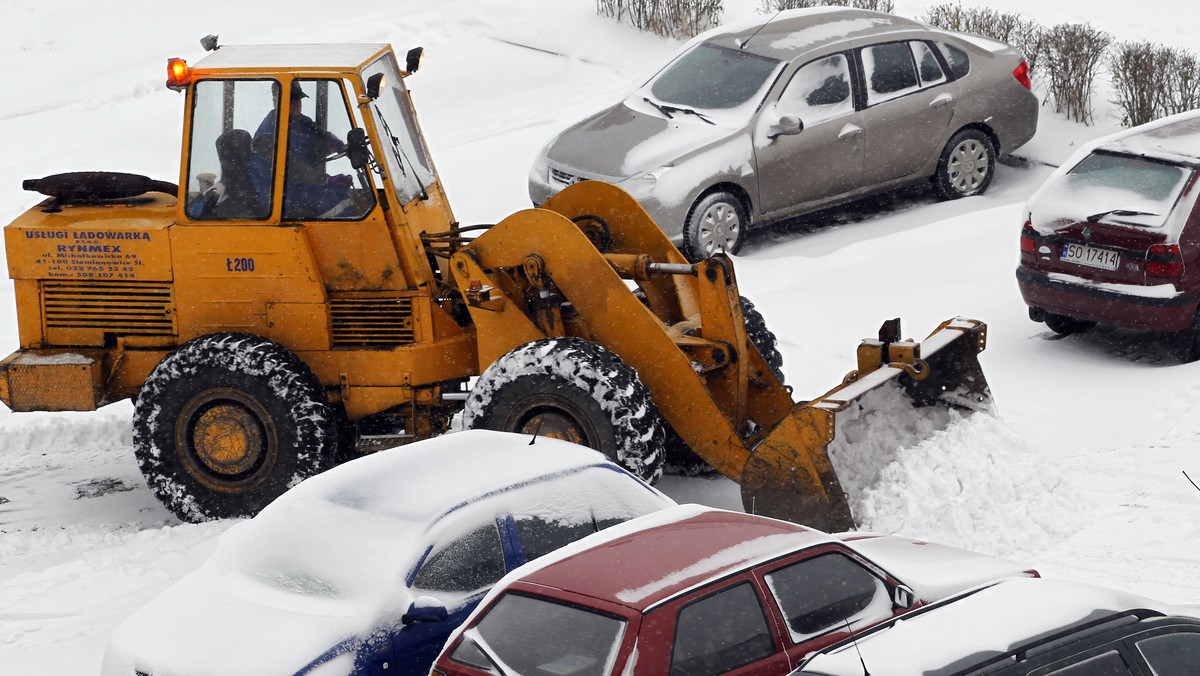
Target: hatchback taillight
<point>1164,260</point>
<point>1027,235</point>
<point>1022,75</point>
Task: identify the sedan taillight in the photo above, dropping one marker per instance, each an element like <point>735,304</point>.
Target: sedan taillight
<point>1027,235</point>
<point>1164,260</point>
<point>1022,75</point>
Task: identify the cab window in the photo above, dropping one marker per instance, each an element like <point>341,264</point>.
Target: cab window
<point>319,181</point>
<point>228,177</point>
<point>819,91</point>
<point>405,157</point>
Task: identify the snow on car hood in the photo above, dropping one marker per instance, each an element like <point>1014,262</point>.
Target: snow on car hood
<point>255,607</point>
<point>622,141</point>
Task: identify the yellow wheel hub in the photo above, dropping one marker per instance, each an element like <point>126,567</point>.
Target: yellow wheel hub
<point>228,439</point>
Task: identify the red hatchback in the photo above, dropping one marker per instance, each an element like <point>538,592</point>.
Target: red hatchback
<point>694,590</point>
<point>1114,237</point>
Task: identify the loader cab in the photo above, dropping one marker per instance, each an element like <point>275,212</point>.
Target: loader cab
<point>302,143</point>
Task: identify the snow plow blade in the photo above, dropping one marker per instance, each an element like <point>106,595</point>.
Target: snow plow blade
<point>901,393</point>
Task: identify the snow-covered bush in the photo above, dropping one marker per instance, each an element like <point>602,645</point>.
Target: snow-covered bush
<point>771,6</point>
<point>1074,52</point>
<point>669,18</point>
<point>1150,81</point>
<point>1008,27</point>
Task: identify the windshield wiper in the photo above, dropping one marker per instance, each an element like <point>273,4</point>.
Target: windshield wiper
<point>689,111</point>
<point>1118,212</point>
<point>473,636</point>
<point>668,109</point>
<point>665,110</point>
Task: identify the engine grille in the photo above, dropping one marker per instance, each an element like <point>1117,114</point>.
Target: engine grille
<point>564,178</point>
<point>146,308</point>
<point>372,321</point>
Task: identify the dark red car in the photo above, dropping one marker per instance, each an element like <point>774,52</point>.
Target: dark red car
<point>695,590</point>
<point>1114,237</point>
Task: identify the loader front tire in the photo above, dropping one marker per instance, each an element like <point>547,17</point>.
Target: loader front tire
<point>226,423</point>
<point>680,458</point>
<point>572,389</point>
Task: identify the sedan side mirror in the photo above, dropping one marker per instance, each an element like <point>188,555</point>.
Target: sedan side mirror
<point>788,125</point>
<point>902,596</point>
<point>425,609</point>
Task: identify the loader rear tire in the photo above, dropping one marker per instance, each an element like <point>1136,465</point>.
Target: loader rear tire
<point>569,388</point>
<point>226,423</point>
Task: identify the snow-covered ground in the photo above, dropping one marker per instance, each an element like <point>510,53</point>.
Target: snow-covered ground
<point>1079,474</point>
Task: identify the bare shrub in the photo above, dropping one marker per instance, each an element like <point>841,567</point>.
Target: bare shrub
<point>772,6</point>
<point>1138,80</point>
<point>1026,35</point>
<point>668,18</point>
<point>1182,83</point>
<point>1073,55</point>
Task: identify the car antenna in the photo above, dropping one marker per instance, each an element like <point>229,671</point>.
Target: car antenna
<point>854,640</point>
<point>537,429</point>
<point>747,40</point>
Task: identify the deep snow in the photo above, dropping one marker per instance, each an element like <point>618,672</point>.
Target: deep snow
<point>1079,473</point>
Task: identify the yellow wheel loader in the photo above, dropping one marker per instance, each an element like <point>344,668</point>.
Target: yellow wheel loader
<point>305,291</point>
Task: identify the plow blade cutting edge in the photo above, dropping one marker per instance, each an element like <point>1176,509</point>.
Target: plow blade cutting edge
<point>834,446</point>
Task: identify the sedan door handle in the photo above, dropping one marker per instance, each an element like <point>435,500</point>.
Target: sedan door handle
<point>849,131</point>
<point>940,100</point>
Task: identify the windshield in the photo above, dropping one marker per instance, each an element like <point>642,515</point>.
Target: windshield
<point>404,153</point>
<point>1114,188</point>
<point>538,636</point>
<point>713,77</point>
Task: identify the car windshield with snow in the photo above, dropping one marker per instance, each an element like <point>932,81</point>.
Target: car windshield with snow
<point>367,568</point>
<point>1112,237</point>
<point>695,590</point>
<point>752,124</point>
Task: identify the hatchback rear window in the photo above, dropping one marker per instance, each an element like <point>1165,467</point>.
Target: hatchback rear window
<point>535,635</point>
<point>1113,188</point>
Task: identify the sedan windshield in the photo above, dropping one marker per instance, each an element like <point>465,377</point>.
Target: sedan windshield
<point>538,636</point>
<point>713,77</point>
<point>1115,188</point>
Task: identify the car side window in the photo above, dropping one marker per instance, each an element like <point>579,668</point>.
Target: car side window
<point>472,562</point>
<point>890,71</point>
<point>819,90</point>
<point>1106,664</point>
<point>540,536</point>
<point>824,592</point>
<point>1171,654</point>
<point>720,632</point>
<point>927,64</point>
<point>957,59</point>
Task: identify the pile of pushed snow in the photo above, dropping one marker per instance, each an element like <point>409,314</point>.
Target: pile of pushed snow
<point>978,484</point>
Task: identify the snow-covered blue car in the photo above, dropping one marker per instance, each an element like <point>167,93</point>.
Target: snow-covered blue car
<point>367,568</point>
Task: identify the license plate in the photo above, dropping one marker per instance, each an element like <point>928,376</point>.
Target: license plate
<point>1090,256</point>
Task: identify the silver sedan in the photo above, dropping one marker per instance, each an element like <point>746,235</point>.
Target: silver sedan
<point>755,123</point>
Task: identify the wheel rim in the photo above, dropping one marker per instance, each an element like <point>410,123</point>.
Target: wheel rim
<point>553,417</point>
<point>720,227</point>
<point>969,166</point>
<point>226,440</point>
